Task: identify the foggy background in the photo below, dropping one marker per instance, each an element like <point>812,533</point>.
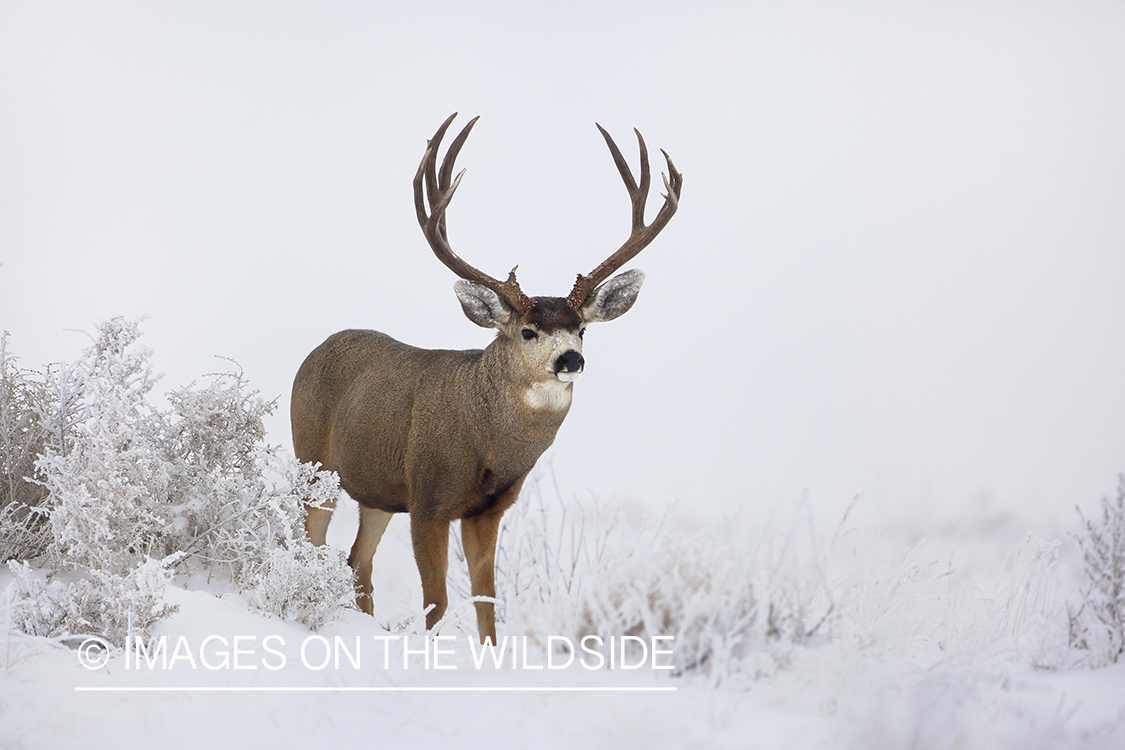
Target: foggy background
<point>898,267</point>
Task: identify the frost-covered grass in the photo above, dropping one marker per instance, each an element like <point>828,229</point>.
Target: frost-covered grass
<point>740,598</point>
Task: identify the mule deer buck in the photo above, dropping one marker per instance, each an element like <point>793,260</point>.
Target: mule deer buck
<point>447,435</point>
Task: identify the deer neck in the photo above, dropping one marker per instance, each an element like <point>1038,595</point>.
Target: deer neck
<point>524,397</point>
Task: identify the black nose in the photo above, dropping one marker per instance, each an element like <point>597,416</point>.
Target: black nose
<point>569,361</point>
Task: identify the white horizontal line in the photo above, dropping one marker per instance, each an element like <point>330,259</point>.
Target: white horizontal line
<point>503,689</point>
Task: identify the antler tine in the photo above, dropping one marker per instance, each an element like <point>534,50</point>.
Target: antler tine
<point>447,170</point>
<point>440,192</point>
<point>641,235</point>
<point>451,154</point>
<point>428,170</point>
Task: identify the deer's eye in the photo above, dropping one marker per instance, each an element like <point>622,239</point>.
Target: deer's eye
<point>529,334</point>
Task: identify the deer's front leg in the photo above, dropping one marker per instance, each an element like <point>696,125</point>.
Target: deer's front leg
<point>431,551</point>
<point>478,536</point>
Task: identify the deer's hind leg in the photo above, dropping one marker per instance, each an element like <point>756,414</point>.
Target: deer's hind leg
<point>372,524</point>
<point>316,522</point>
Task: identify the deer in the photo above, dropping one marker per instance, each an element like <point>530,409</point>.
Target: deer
<point>448,435</point>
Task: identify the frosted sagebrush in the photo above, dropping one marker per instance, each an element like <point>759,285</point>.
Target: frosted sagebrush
<point>193,486</point>
<point>302,582</point>
<point>239,504</point>
<point>1098,625</point>
<point>108,478</point>
<point>107,604</point>
<point>223,507</point>
<point>24,399</point>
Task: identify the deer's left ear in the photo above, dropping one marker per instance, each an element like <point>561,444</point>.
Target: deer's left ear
<point>613,298</point>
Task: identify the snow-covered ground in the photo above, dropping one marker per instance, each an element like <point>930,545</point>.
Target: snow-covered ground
<point>958,641</point>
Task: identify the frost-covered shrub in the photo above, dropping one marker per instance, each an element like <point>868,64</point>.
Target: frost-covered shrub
<point>107,604</point>
<point>195,486</point>
<point>224,510</point>
<point>302,582</point>
<point>108,479</point>
<point>1098,626</point>
<point>238,503</point>
<point>23,435</point>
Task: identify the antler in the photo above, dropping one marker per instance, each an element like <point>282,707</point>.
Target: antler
<point>440,192</point>
<point>641,235</point>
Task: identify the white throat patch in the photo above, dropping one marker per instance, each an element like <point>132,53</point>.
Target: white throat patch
<point>550,394</point>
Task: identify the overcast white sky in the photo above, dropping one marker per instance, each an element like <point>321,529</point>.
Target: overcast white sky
<point>898,268</point>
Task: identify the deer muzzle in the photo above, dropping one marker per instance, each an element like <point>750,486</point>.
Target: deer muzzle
<point>568,365</point>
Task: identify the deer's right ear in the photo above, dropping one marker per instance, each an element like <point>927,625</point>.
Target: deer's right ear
<point>482,305</point>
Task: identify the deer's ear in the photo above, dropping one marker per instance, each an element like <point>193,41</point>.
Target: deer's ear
<point>482,305</point>
<point>613,298</point>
